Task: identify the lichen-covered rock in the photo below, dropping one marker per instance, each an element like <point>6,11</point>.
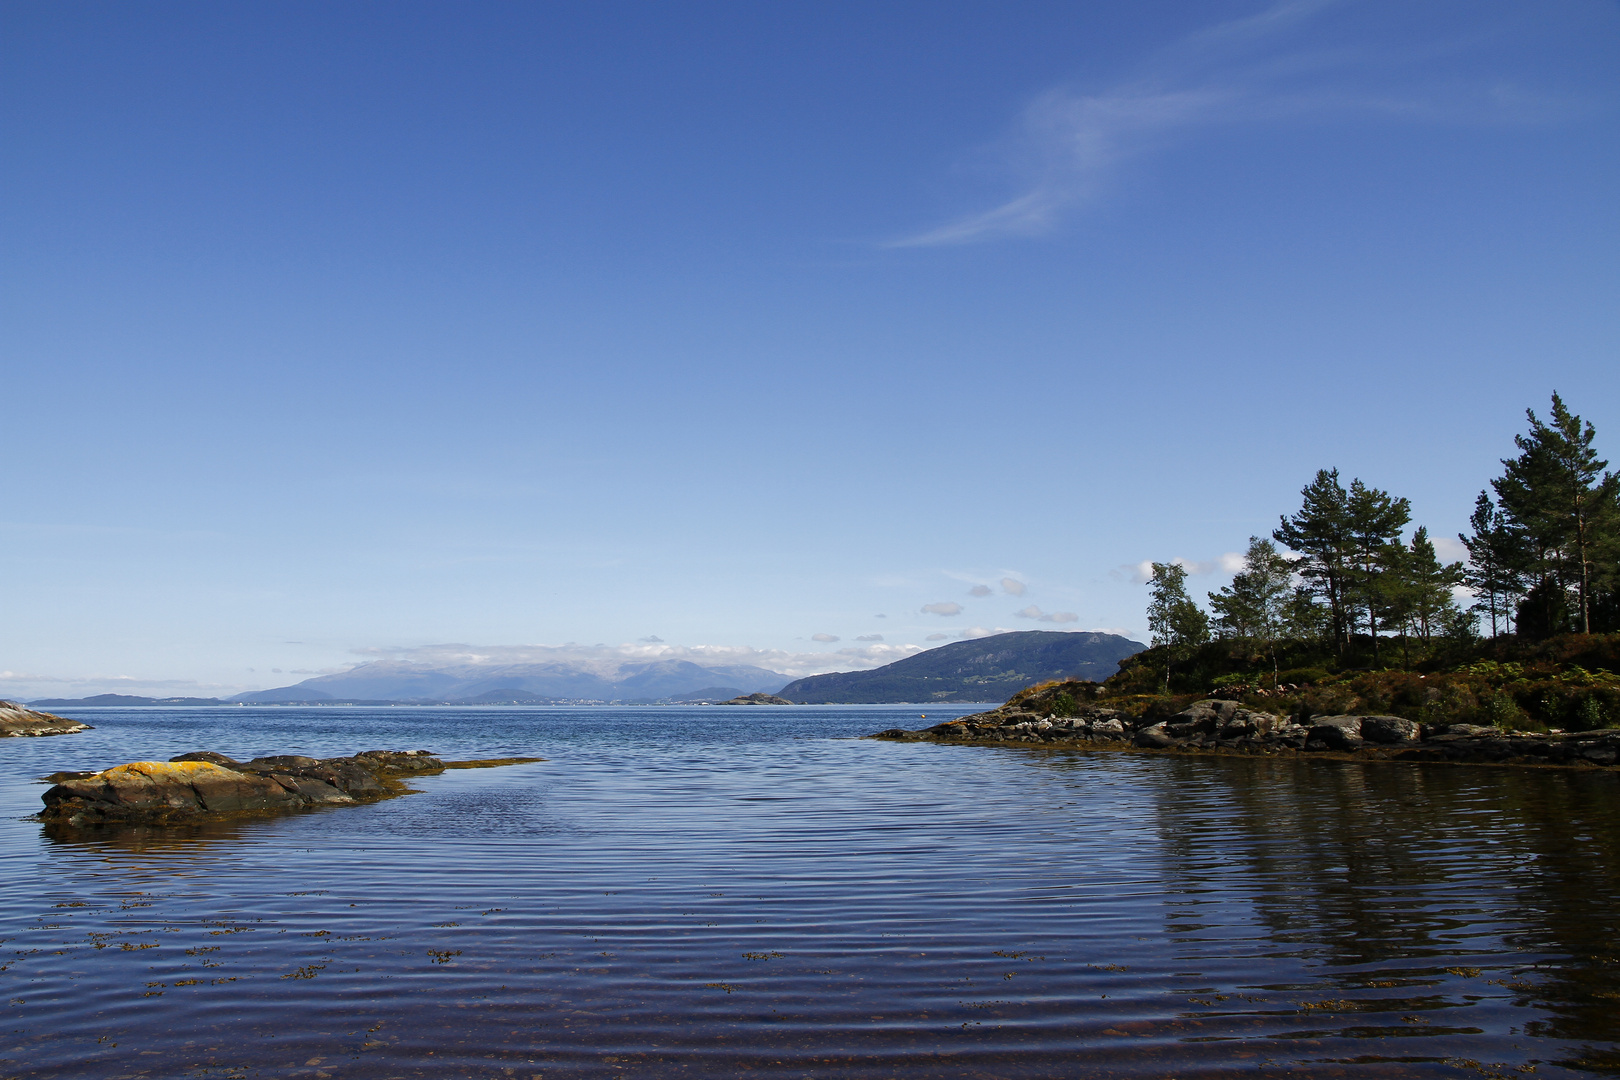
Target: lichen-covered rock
<point>155,790</point>
<point>206,782</point>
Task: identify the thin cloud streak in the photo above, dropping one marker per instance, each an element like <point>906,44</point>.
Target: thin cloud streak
<point>1069,145</point>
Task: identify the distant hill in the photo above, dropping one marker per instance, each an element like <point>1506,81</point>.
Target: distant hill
<point>121,699</point>
<point>708,693</point>
<point>286,695</point>
<point>985,669</point>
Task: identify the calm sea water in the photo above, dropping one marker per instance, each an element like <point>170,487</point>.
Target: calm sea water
<point>720,892</point>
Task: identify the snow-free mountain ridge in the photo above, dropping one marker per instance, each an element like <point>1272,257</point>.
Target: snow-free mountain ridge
<point>984,669</point>
<point>558,680</point>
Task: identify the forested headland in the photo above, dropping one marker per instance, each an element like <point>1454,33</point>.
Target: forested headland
<point>1346,606</point>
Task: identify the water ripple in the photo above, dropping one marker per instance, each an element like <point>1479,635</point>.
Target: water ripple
<point>714,892</point>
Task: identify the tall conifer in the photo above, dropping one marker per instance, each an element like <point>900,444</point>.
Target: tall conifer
<point>1494,557</point>
<point>1320,533</point>
<point>1558,500</point>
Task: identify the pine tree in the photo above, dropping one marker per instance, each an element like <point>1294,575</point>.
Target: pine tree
<point>1320,533</point>
<point>1427,606</point>
<point>1557,498</point>
<point>1494,570</point>
<point>1375,522</point>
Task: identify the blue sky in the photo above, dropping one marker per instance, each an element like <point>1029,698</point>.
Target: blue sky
<point>340,330</point>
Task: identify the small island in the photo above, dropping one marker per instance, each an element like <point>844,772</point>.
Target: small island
<point>756,699</point>
<point>1080,714</point>
<point>1352,638</point>
<point>19,720</point>
<point>211,785</point>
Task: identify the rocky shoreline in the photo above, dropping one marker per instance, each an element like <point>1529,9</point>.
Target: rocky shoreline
<point>207,785</point>
<point>1217,726</point>
<point>20,720</point>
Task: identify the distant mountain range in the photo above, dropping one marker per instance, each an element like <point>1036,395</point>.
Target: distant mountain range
<point>985,669</point>
<point>543,683</point>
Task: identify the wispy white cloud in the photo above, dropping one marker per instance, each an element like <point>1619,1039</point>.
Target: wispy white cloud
<point>980,590</point>
<point>1229,562</point>
<point>944,607</point>
<point>1033,612</point>
<point>1449,549</point>
<point>607,659</point>
<point>824,637</point>
<point>1013,587</point>
<point>1069,145</point>
<point>937,637</point>
<point>869,637</point>
<point>23,685</point>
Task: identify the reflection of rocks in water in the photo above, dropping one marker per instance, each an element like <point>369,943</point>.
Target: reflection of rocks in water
<point>208,785</point>
<point>181,838</point>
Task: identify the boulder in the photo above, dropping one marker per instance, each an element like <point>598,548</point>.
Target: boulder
<point>1462,731</point>
<point>405,761</point>
<point>1206,715</point>
<point>1334,733</point>
<point>283,761</point>
<point>1155,737</point>
<point>1225,720</point>
<point>1388,729</point>
<point>158,790</point>
<point>210,757</point>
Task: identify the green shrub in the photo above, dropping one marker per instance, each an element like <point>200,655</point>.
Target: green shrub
<point>1237,678</point>
<point>1588,714</point>
<point>1063,705</point>
<point>1502,711</point>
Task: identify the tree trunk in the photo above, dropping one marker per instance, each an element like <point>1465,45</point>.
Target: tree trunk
<point>1580,553</point>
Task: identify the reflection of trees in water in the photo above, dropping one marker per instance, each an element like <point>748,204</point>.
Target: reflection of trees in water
<point>1399,872</point>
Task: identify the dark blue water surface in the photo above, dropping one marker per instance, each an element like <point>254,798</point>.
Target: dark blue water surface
<point>726,892</point>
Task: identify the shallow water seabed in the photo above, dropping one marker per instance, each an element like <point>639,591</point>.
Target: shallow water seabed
<point>728,891</point>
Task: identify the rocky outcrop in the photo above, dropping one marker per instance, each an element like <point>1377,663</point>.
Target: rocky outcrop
<point>757,699</point>
<point>18,719</point>
<point>1226,727</point>
<point>206,784</point>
